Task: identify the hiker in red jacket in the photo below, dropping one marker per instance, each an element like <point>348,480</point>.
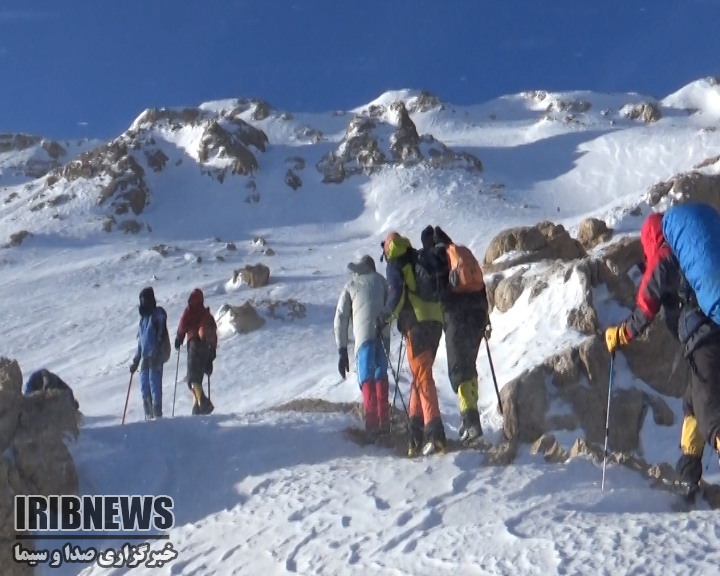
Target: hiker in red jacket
<point>198,324</point>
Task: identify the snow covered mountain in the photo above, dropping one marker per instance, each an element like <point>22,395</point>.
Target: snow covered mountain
<point>197,197</point>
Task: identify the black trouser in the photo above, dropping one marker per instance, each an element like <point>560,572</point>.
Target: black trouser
<point>198,356</point>
<point>463,336</point>
<point>701,406</point>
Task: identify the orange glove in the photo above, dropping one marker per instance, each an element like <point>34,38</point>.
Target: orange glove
<point>615,337</point>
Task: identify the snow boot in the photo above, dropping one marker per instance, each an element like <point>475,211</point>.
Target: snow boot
<point>201,403</point>
<point>157,411</point>
<point>148,407</point>
<point>436,442</point>
<point>415,437</point>
<point>470,429</point>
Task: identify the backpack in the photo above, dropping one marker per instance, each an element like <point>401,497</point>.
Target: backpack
<point>693,233</point>
<point>207,332</point>
<point>431,274</point>
<point>164,338</point>
<point>465,272</point>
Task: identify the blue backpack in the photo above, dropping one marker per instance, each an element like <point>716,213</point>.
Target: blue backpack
<point>693,233</point>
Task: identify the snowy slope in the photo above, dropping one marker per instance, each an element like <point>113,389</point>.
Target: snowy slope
<point>267,492</point>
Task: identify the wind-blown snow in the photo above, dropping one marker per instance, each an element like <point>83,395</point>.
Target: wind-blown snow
<point>266,492</point>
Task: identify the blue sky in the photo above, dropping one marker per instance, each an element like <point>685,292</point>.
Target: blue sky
<point>90,67</point>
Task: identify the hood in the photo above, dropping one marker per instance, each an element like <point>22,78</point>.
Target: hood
<point>427,237</point>
<point>651,236</point>
<point>147,301</point>
<point>366,265</point>
<point>196,300</point>
<point>441,237</point>
<point>395,246</point>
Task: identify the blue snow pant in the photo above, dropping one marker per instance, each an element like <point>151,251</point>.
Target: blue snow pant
<point>151,387</point>
<point>372,367</point>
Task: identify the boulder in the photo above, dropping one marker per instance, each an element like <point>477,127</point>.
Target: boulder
<point>627,407</point>
<point>544,241</point>
<point>621,256</point>
<point>652,357</point>
<point>584,319</point>
<point>502,454</point>
<point>592,232</point>
<point>255,276</point>
<point>524,403</point>
<point>292,180</point>
<point>244,318</point>
<point>508,291</point>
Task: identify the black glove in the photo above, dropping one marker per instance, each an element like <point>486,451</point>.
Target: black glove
<point>213,354</point>
<point>178,342</point>
<point>209,368</point>
<point>488,331</point>
<point>134,365</point>
<point>380,325</point>
<point>343,362</point>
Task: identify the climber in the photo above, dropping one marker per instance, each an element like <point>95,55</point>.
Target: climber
<point>466,322</point>
<point>198,324</point>
<point>414,301</point>
<point>682,269</point>
<point>45,380</point>
<point>153,350</point>
<point>363,298</point>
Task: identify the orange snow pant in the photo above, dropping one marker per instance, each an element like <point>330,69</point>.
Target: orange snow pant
<point>423,340</point>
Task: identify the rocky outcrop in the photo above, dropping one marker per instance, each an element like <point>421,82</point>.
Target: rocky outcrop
<point>645,112</point>
<point>526,244</point>
<point>387,136</point>
<point>33,456</point>
<point>221,142</point>
<point>17,238</point>
<point>18,142</point>
<point>690,186</point>
<point>284,310</point>
<point>578,377</point>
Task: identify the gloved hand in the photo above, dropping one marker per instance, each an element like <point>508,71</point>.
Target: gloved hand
<point>488,331</point>
<point>380,324</point>
<point>178,342</point>
<point>343,362</point>
<point>213,354</point>
<point>615,337</point>
<point>209,368</point>
<point>134,365</point>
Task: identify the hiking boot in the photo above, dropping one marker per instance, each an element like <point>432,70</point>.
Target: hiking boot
<point>148,408</point>
<point>206,407</point>
<point>470,429</point>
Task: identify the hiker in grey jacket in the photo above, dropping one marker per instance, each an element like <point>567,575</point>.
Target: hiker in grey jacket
<point>364,298</point>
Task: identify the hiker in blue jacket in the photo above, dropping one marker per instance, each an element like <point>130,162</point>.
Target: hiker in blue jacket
<point>150,355</point>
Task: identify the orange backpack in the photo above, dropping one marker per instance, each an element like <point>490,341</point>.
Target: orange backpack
<point>465,272</point>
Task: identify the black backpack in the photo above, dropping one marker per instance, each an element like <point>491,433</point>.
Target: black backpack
<point>431,269</point>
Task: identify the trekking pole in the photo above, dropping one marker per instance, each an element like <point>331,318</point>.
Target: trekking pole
<point>177,368</point>
<point>395,377</point>
<point>492,371</point>
<point>127,398</point>
<point>399,364</point>
<point>607,421</point>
